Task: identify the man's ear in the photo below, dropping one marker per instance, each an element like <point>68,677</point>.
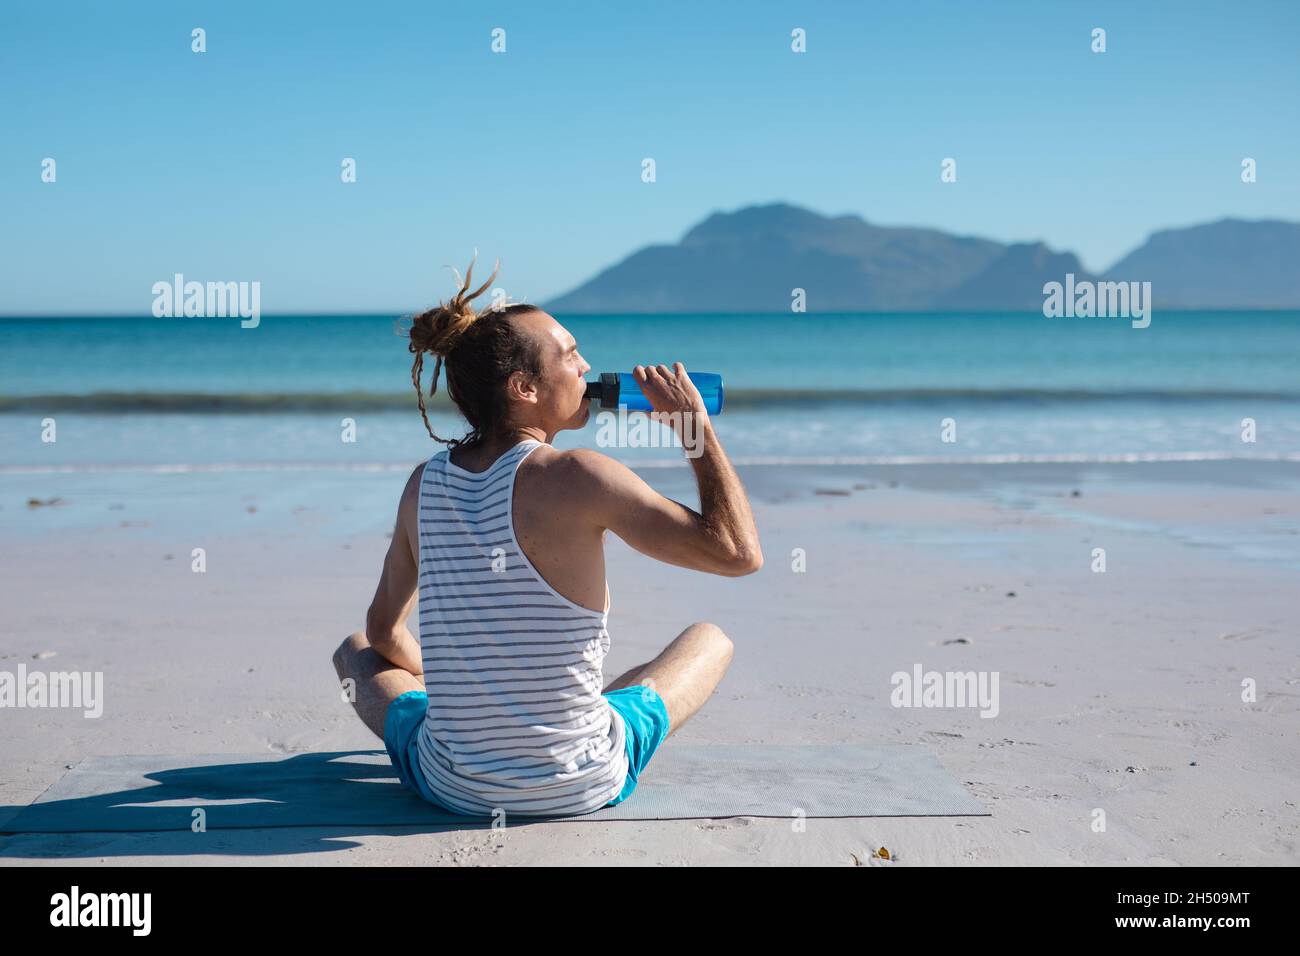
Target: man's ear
<point>520,385</point>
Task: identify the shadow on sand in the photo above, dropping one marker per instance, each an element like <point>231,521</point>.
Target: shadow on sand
<point>301,803</point>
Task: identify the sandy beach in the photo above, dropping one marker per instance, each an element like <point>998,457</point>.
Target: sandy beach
<point>1119,690</point>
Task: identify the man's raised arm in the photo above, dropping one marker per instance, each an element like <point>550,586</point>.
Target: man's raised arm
<point>720,538</point>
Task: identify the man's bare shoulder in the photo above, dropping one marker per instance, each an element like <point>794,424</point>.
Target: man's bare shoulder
<point>411,492</point>
<point>577,471</point>
<point>410,501</point>
<point>579,486</point>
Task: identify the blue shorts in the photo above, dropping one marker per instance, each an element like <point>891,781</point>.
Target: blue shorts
<point>401,735</point>
<point>644,716</point>
<point>646,719</point>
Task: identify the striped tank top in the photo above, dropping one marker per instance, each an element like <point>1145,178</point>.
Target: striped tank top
<point>513,669</point>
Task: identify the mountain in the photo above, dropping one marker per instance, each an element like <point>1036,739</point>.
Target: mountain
<point>750,260</point>
<point>1232,263</point>
<point>1014,280</point>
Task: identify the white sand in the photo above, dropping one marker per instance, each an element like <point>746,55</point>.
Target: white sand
<point>1119,691</point>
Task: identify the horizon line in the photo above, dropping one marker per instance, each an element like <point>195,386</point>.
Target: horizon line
<point>28,316</point>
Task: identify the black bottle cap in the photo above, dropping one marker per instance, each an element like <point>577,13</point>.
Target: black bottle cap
<point>605,390</point>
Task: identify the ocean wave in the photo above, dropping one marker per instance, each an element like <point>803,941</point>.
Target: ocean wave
<point>736,398</point>
<point>1046,458</point>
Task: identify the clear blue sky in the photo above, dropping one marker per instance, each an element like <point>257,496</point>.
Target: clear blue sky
<point>225,165</point>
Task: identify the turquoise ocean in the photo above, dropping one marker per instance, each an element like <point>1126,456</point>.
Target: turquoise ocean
<point>153,395</point>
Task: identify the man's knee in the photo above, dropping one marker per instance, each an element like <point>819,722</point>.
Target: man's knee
<point>716,639</point>
<point>352,645</point>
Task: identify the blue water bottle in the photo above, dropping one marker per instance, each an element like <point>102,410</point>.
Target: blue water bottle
<point>620,388</point>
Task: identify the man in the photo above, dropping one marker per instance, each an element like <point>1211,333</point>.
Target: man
<point>464,710</point>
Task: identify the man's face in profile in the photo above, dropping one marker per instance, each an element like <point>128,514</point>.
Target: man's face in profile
<point>562,390</point>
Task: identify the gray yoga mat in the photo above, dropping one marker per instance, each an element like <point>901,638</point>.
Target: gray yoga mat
<point>360,788</point>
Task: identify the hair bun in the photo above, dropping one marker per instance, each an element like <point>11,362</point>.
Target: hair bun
<point>437,330</point>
